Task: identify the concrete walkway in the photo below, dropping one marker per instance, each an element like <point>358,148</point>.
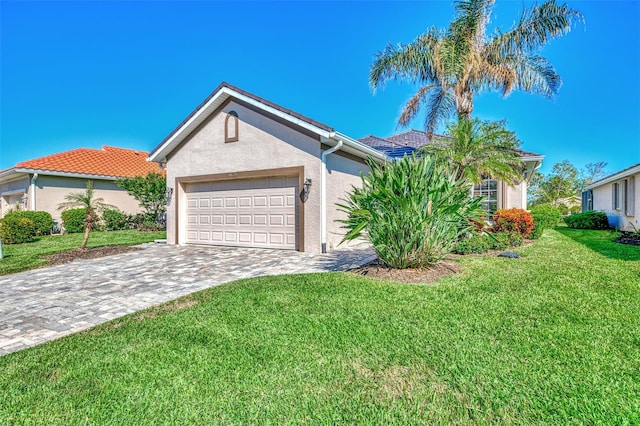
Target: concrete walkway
<point>45,304</point>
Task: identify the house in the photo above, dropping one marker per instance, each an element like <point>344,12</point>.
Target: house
<point>41,184</point>
<point>497,194</point>
<point>618,196</point>
<point>244,171</point>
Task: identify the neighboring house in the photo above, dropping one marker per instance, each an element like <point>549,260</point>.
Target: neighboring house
<point>497,194</point>
<point>41,184</point>
<point>618,196</point>
<point>244,171</point>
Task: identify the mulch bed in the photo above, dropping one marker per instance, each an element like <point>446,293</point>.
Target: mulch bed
<point>630,239</point>
<point>90,253</point>
<point>376,269</point>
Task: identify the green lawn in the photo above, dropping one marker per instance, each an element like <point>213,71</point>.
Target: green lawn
<point>20,257</point>
<point>550,338</point>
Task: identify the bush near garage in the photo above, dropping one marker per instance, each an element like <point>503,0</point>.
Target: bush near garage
<point>16,229</point>
<point>73,220</point>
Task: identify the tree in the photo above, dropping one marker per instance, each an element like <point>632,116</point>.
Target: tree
<point>591,173</point>
<point>562,186</point>
<point>149,191</point>
<point>453,65</point>
<point>93,207</point>
<point>478,149</point>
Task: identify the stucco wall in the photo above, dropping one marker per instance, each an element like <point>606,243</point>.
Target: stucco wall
<point>342,174</point>
<point>514,196</point>
<point>51,190</point>
<point>11,196</point>
<point>602,201</point>
<point>263,144</point>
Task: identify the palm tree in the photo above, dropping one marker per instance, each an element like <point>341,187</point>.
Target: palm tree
<point>93,207</point>
<point>451,66</point>
<point>478,149</point>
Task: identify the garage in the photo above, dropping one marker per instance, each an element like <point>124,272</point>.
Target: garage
<point>260,212</point>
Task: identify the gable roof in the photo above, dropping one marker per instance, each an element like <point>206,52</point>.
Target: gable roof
<point>226,91</point>
<point>110,162</point>
<point>632,170</point>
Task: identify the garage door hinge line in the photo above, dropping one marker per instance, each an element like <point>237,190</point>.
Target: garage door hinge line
<point>323,194</point>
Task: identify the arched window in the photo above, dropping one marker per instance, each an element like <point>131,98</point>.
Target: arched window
<point>231,127</point>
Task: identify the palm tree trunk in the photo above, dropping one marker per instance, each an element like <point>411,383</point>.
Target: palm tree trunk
<point>87,231</point>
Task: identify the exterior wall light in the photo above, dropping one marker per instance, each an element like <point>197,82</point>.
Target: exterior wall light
<point>306,188</point>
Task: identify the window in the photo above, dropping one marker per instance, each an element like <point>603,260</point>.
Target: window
<point>615,196</point>
<point>231,127</point>
<point>488,189</point>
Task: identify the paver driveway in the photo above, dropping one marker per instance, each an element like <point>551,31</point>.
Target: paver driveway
<point>44,304</point>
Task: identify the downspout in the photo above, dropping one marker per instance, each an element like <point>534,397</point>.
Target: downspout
<point>33,191</point>
<point>323,194</point>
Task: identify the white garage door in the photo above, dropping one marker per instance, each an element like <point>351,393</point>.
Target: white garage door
<point>247,213</point>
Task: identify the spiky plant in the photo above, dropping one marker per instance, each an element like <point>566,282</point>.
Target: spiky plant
<point>477,149</point>
<point>93,207</point>
<point>453,65</point>
<point>412,211</point>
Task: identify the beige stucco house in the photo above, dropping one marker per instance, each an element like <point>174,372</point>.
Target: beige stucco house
<point>618,196</point>
<point>244,171</point>
<point>42,183</point>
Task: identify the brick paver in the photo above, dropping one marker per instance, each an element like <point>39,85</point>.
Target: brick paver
<point>45,304</point>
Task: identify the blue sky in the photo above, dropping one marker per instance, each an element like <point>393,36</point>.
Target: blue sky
<point>87,74</point>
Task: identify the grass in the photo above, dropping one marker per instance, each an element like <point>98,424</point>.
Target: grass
<point>551,337</point>
<point>21,257</point>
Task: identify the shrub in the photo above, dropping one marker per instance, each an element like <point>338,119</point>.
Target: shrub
<point>73,220</point>
<point>16,229</point>
<point>42,221</point>
<point>513,220</point>
<point>413,211</point>
<point>514,239</point>
<point>474,244</point>
<point>544,216</point>
<point>115,220</point>
<point>587,220</point>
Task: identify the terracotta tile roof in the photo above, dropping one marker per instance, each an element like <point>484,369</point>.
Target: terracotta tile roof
<point>108,161</point>
<point>415,139</point>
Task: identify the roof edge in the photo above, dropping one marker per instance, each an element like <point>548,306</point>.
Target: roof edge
<point>615,176</point>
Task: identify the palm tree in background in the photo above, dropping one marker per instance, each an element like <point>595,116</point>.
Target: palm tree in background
<point>453,65</point>
<point>477,149</point>
<point>93,207</point>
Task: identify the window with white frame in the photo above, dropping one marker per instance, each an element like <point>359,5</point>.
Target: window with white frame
<point>629,191</point>
<point>488,190</point>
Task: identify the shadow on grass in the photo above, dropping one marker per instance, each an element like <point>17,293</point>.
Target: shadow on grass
<point>602,242</point>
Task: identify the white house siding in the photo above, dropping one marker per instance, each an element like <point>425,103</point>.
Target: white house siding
<point>603,201</point>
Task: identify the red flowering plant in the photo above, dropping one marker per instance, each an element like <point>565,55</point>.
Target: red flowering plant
<point>513,221</point>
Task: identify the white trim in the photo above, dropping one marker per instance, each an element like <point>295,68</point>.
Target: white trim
<point>160,154</point>
<point>614,177</point>
<point>13,192</point>
<point>66,174</point>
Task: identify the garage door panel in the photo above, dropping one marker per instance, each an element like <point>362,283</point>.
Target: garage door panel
<point>251,213</point>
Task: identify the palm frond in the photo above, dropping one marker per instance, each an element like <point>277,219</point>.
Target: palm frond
<point>415,61</point>
<point>537,26</point>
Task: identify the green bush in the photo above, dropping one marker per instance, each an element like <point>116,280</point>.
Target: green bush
<point>115,220</point>
<point>73,220</point>
<point>16,229</point>
<point>474,244</point>
<point>413,211</point>
<point>587,220</point>
<point>42,221</point>
<point>514,239</point>
<point>544,216</point>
